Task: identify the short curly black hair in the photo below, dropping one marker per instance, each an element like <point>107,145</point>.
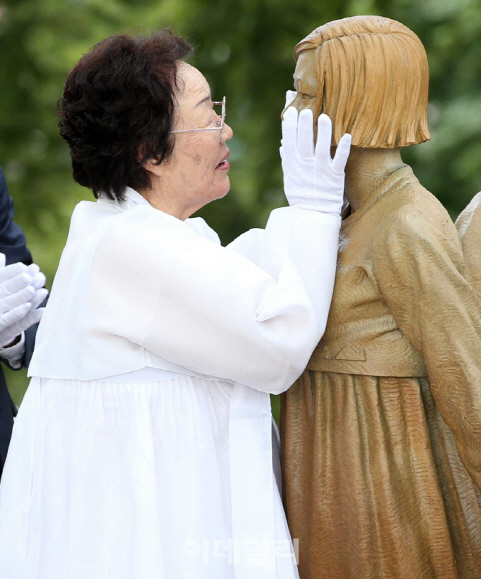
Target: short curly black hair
<point>117,109</point>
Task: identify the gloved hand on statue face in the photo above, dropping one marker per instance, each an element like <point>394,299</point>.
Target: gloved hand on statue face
<point>312,179</point>
<point>21,292</point>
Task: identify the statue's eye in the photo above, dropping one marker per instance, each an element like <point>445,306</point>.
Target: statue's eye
<point>306,97</point>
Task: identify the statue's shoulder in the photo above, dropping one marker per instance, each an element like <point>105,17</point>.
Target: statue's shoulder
<point>412,215</point>
<point>412,204</point>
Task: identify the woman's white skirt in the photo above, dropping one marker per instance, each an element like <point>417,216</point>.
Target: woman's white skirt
<point>129,481</point>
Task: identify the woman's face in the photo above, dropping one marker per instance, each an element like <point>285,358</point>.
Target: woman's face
<point>197,171</point>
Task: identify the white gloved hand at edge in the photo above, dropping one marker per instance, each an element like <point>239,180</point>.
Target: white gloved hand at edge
<point>312,179</point>
<point>21,293</point>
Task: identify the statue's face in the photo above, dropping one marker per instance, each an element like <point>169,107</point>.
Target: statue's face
<point>305,82</point>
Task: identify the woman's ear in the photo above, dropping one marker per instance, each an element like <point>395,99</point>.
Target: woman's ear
<point>150,165</point>
<point>153,167</point>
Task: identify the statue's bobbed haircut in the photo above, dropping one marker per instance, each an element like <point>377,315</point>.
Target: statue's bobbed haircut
<point>372,80</point>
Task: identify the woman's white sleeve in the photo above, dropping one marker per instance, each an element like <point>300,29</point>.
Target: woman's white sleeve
<point>212,310</point>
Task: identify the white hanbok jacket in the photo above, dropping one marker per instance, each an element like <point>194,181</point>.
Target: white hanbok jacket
<point>139,289</point>
<point>159,292</point>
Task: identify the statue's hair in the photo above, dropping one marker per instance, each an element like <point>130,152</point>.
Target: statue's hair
<point>372,80</point>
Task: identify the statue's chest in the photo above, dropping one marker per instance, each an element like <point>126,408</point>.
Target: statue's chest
<point>356,292</point>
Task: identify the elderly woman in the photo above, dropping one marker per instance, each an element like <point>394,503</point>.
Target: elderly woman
<point>143,447</point>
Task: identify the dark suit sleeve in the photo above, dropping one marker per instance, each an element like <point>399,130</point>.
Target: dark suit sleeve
<point>12,239</point>
<point>14,245</point>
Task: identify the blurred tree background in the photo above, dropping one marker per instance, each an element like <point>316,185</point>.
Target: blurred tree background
<point>245,49</point>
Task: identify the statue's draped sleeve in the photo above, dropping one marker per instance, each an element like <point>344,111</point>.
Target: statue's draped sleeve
<point>419,268</point>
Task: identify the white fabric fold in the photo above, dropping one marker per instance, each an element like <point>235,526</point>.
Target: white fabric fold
<point>252,491</point>
<point>14,353</point>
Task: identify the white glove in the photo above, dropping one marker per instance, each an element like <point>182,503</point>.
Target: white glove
<point>21,292</point>
<point>312,179</point>
<point>290,96</point>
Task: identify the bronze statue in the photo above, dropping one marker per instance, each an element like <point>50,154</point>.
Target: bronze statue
<point>381,435</point>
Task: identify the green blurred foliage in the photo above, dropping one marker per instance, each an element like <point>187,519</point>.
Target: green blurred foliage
<point>245,50</point>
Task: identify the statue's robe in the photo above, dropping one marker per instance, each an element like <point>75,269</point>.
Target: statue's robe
<point>381,435</point>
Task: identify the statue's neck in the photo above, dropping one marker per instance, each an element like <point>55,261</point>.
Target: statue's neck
<point>366,170</point>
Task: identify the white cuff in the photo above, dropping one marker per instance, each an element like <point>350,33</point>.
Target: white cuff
<point>14,353</point>
<point>310,205</point>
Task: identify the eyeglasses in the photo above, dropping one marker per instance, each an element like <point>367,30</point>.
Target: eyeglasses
<point>218,127</point>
